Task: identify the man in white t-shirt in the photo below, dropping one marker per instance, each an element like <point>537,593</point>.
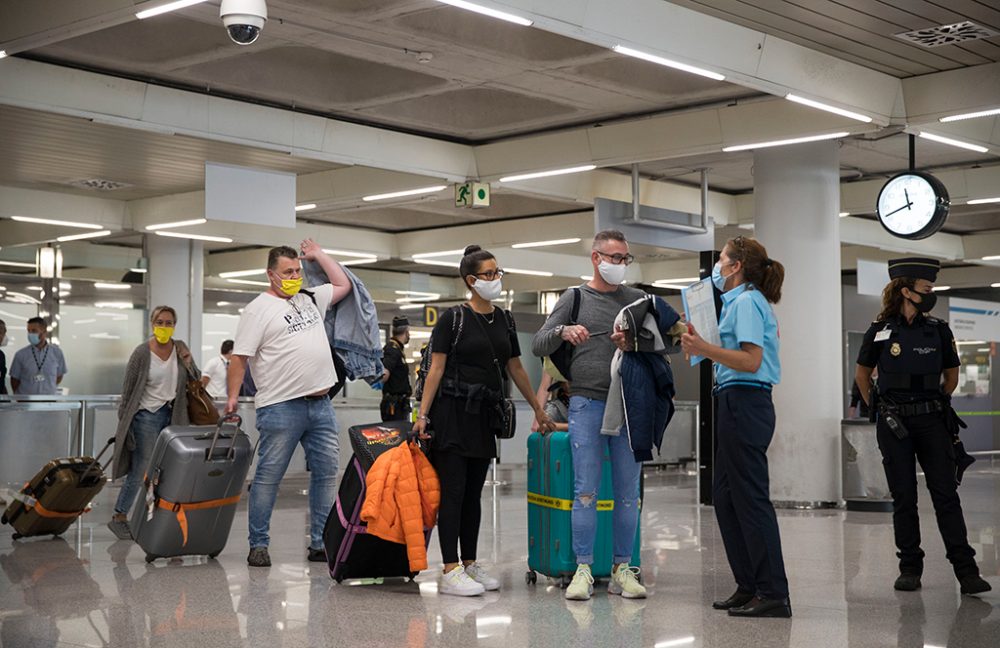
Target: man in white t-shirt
<point>282,336</point>
<point>215,372</point>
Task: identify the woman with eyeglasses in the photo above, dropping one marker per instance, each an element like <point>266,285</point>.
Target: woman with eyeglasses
<point>474,350</point>
<point>746,368</point>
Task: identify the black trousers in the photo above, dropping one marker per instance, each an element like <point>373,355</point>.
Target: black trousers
<point>929,443</point>
<point>395,408</point>
<point>741,486</point>
<point>460,512</point>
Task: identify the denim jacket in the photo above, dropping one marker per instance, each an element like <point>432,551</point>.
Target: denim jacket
<point>352,327</point>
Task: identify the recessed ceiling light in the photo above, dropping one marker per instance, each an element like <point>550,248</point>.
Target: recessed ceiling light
<point>51,221</point>
<point>828,108</point>
<point>410,307</point>
<point>78,237</point>
<point>447,264</point>
<point>428,255</point>
<point>17,264</point>
<point>183,223</point>
<point>535,273</point>
<point>941,288</point>
<point>165,8</point>
<point>196,237</point>
<point>994,257</point>
<point>844,214</point>
<point>242,273</point>
<point>3,54</point>
<point>983,201</point>
<point>954,142</point>
<point>652,58</point>
<point>785,142</point>
<point>547,174</point>
<point>112,286</point>
<point>972,115</point>
<point>486,11</point>
<point>139,270</point>
<point>113,304</point>
<point>406,192</point>
<point>995,285</point>
<point>354,262</point>
<point>545,243</point>
<point>305,207</point>
<point>247,282</point>
<point>347,253</point>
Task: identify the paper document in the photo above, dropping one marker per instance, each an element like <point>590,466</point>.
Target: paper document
<point>699,305</point>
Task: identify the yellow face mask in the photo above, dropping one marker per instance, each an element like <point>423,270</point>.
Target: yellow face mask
<point>163,333</point>
<point>291,287</point>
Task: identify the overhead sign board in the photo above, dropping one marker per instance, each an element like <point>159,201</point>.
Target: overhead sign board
<point>971,319</point>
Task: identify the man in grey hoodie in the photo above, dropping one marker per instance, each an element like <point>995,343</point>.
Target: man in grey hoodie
<point>594,342</point>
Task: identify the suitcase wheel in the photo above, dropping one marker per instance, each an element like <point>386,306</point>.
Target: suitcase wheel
<point>16,536</point>
<point>531,577</point>
<point>564,582</point>
<point>214,555</point>
<point>339,579</point>
<point>150,558</point>
<point>413,576</point>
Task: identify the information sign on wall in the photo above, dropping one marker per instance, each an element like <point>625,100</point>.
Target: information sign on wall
<point>974,320</point>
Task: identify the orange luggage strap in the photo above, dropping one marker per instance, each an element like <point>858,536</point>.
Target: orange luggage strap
<point>179,510</point>
<point>46,513</point>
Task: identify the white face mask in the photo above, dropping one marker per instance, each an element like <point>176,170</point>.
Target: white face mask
<point>488,290</point>
<point>613,274</point>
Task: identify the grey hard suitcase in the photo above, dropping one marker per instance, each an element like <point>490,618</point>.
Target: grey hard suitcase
<point>191,488</point>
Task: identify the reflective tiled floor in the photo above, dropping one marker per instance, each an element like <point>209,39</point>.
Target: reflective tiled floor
<point>90,590</point>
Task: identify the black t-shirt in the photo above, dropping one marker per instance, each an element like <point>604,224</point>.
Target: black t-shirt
<point>399,372</point>
<point>924,346</point>
<point>473,357</point>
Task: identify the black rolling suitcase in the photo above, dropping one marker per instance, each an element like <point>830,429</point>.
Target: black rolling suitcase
<point>194,481</point>
<point>351,551</point>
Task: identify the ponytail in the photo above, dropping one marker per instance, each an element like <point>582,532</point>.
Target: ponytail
<point>765,273</point>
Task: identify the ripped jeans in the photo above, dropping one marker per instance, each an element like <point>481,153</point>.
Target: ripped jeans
<point>589,445</point>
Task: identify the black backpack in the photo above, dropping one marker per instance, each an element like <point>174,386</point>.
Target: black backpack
<point>563,356</point>
<point>338,364</point>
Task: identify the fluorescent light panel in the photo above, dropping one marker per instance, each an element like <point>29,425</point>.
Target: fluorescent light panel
<point>447,264</point>
<point>166,8</point>
<point>196,237</point>
<point>652,58</point>
<point>305,207</point>
<point>786,142</point>
<point>183,223</point>
<point>994,257</point>
<point>545,243</point>
<point>3,54</point>
<point>954,142</point>
<point>995,285</point>
<point>114,304</point>
<point>112,286</point>
<point>17,264</point>
<point>50,221</point>
<point>941,288</point>
<point>844,214</point>
<point>407,192</point>
<point>828,108</point>
<point>139,270</point>
<point>247,282</point>
<point>534,273</point>
<point>88,235</point>
<point>548,174</point>
<point>428,255</point>
<point>983,201</point>
<point>354,262</point>
<point>242,273</point>
<point>486,11</point>
<point>972,115</point>
<point>347,253</point>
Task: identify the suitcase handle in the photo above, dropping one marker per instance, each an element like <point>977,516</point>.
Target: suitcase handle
<point>97,459</point>
<point>218,432</point>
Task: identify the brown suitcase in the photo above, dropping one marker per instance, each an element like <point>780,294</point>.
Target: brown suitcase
<point>56,496</point>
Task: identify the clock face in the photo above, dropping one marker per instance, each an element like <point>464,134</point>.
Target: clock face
<point>913,205</point>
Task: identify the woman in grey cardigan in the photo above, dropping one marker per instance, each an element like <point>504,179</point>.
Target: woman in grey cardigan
<point>154,396</point>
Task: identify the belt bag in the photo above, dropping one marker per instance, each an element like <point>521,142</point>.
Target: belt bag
<point>506,414</point>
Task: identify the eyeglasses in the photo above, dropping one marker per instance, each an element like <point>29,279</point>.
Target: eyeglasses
<point>618,259</point>
<point>490,275</point>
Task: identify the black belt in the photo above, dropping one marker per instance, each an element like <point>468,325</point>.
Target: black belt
<point>743,384</point>
<point>316,397</point>
<point>918,409</point>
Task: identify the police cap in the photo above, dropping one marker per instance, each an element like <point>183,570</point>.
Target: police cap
<point>914,268</point>
<point>400,321</point>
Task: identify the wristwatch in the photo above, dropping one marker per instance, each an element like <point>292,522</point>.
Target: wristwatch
<point>558,330</point>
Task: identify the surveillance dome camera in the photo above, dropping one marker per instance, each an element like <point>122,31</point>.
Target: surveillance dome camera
<point>244,19</point>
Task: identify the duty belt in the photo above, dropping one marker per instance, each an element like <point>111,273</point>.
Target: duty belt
<point>918,409</point>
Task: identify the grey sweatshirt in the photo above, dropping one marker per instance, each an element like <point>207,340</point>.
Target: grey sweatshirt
<point>591,362</point>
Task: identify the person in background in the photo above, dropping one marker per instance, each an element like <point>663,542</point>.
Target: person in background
<point>601,299</point>
<point>557,407</point>
<point>917,361</point>
<point>214,375</point>
<point>473,347</point>
<point>396,388</point>
<point>747,366</point>
<point>282,337</point>
<point>38,368</point>
<point>3,358</point>
<point>154,395</point>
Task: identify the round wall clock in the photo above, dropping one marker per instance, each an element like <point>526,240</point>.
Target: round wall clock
<point>913,205</point>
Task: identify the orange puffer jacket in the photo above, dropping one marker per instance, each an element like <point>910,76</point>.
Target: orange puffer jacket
<point>402,500</point>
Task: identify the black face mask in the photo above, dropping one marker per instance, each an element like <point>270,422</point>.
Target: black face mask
<point>926,303</point>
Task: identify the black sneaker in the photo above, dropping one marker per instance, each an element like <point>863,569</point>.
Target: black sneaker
<point>120,529</point>
<point>316,555</point>
<point>907,583</point>
<point>974,584</point>
<point>259,557</point>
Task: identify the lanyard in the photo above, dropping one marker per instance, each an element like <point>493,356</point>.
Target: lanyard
<point>44,357</point>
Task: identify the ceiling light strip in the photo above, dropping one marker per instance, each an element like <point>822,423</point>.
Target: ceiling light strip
<point>405,193</point>
<point>828,108</point>
<point>166,8</point>
<point>534,273</point>
<point>972,115</point>
<point>348,253</point>
<point>51,221</point>
<point>785,142</point>
<point>954,142</point>
<point>486,11</point>
<point>196,237</point>
<point>242,273</point>
<point>247,282</point>
<point>447,264</point>
<point>183,223</point>
<point>548,174</point>
<point>111,286</point>
<point>534,244</point>
<point>79,237</point>
<point>983,201</point>
<point>3,54</point>
<point>428,255</point>
<point>305,207</point>
<point>684,67</point>
<point>18,264</point>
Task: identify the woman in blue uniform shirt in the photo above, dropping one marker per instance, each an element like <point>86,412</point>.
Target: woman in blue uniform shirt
<point>746,368</point>
<point>918,362</point>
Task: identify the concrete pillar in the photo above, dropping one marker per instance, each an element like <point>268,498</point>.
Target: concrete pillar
<point>176,278</point>
<point>796,205</point>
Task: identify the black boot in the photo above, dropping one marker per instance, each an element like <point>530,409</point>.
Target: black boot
<point>907,582</point>
<point>738,599</point>
<point>973,584</point>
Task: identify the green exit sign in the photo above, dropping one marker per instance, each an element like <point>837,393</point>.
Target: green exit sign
<point>472,194</point>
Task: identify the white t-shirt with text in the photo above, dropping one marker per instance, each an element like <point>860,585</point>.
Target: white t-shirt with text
<point>286,342</point>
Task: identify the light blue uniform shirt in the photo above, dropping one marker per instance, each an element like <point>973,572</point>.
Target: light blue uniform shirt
<point>38,370</point>
<point>747,316</point>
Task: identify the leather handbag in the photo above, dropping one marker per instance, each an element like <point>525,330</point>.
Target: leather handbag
<point>201,407</point>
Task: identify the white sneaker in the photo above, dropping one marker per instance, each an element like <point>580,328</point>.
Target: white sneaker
<point>582,586</point>
<point>478,573</point>
<point>458,583</point>
<point>625,581</point>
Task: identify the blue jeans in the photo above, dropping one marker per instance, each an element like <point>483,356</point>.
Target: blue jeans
<point>282,426</point>
<point>589,445</point>
<point>145,427</point>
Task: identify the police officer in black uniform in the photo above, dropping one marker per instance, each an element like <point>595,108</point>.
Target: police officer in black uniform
<point>917,362</point>
<point>396,377</point>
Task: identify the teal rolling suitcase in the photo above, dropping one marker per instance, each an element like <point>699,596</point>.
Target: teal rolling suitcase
<point>550,504</point>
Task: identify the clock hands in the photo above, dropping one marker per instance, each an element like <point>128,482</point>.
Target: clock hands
<point>906,206</point>
<point>907,194</point>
